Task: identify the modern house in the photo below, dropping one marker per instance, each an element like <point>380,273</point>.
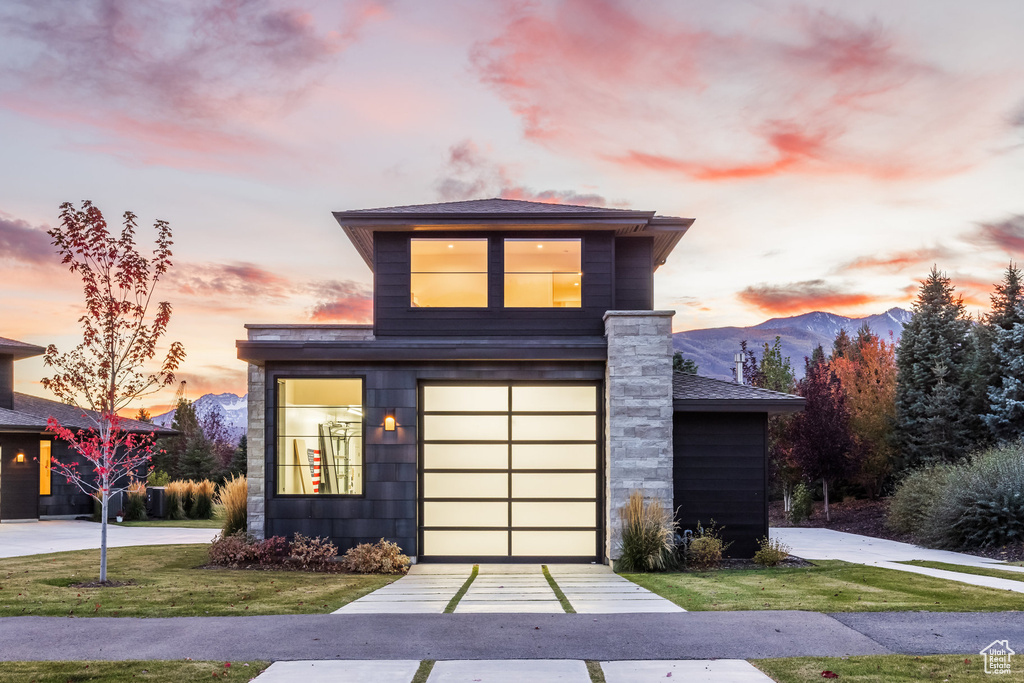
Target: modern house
<point>515,387</point>
<point>29,490</point>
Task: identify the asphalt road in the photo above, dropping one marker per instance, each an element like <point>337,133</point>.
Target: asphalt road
<point>691,635</point>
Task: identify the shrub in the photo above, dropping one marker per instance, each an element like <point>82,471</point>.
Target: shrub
<point>188,496</point>
<point>313,553</point>
<point>982,502</point>
<point>202,499</point>
<point>174,497</point>
<point>135,503</point>
<point>382,557</point>
<point>803,503</point>
<point>706,548</point>
<point>273,550</point>
<point>770,552</point>
<point>157,478</point>
<point>235,550</point>
<point>648,535</point>
<point>233,494</point>
<point>912,502</point>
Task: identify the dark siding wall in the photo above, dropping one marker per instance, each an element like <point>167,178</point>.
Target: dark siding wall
<point>393,316</point>
<point>388,508</point>
<point>720,473</point>
<point>65,498</point>
<point>19,482</point>
<point>634,273</point>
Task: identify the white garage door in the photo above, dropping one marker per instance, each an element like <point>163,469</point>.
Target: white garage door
<point>509,470</point>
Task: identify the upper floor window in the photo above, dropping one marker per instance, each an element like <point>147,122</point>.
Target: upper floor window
<point>543,273</point>
<point>450,273</point>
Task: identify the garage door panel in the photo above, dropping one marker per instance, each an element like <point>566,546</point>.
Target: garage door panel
<point>463,456</point>
<point>554,399</point>
<point>466,543</point>
<point>540,543</point>
<point>464,485</point>
<point>554,428</point>
<point>447,398</point>
<point>445,513</point>
<point>583,485</point>
<point>547,514</point>
<point>576,456</point>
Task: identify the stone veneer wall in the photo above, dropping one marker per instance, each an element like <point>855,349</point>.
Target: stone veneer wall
<point>256,436</point>
<point>638,413</point>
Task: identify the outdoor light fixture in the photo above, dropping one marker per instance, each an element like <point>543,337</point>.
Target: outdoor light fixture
<point>20,457</point>
<point>389,421</point>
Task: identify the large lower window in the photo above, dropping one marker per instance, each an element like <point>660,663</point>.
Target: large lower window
<point>448,273</point>
<point>320,436</point>
<point>543,273</point>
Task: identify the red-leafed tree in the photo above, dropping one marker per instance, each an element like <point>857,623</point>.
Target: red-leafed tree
<point>822,445</point>
<point>114,364</point>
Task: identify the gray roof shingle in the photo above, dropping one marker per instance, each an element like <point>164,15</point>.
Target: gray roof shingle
<point>33,411</point>
<point>13,347</point>
<point>694,392</point>
<point>493,205</point>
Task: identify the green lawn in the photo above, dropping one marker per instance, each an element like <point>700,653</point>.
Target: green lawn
<point>168,584</point>
<point>116,672</point>
<point>884,669</point>
<point>828,586</point>
<point>963,569</point>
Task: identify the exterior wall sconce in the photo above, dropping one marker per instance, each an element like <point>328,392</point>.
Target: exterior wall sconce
<point>20,457</point>
<point>389,420</point>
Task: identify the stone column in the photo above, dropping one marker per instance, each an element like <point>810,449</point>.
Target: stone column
<point>256,455</point>
<point>638,413</point>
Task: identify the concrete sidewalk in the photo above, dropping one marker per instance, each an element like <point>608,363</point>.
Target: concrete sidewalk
<point>611,637</point>
<point>54,536</point>
<point>512,671</point>
<point>827,544</point>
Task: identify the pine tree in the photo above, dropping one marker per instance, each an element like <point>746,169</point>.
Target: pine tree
<point>681,364</point>
<point>996,371</point>
<point>932,355</point>
<point>842,347</point>
<point>240,462</point>
<point>1005,418</point>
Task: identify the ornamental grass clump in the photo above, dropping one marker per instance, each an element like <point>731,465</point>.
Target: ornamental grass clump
<point>648,535</point>
<point>203,493</point>
<point>135,502</point>
<point>382,557</point>
<point>174,498</point>
<point>233,495</point>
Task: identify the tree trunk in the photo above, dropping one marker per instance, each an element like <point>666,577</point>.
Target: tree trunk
<point>824,489</point>
<point>787,496</point>
<point>103,535</point>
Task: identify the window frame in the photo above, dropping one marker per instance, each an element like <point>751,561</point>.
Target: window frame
<point>486,239</point>
<point>274,388</point>
<point>541,238</point>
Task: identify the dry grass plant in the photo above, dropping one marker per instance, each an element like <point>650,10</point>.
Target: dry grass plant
<point>233,495</point>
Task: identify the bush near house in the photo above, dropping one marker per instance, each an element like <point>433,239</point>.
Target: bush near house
<point>135,502</point>
<point>648,535</point>
<point>915,496</point>
<point>382,557</point>
<point>233,495</point>
<point>771,552</point>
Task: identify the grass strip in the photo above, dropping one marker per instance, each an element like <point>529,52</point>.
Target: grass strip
<point>827,586</point>
<point>963,569</point>
<point>883,668</point>
<point>595,671</point>
<point>566,605</point>
<point>153,671</point>
<point>454,602</point>
<point>168,581</point>
<point>423,672</point>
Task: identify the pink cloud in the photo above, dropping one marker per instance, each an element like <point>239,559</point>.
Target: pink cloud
<point>22,242</point>
<point>784,92</point>
<point>343,301</point>
<point>470,174</point>
<point>1007,235</point>
<point>899,261</point>
<point>801,297</point>
<point>234,280</point>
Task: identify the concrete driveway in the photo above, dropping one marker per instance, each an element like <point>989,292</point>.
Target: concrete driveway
<point>18,539</point>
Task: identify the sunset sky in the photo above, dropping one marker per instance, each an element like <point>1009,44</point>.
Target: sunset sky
<point>829,152</point>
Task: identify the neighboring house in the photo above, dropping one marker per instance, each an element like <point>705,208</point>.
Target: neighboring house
<point>28,488</point>
<point>515,386</point>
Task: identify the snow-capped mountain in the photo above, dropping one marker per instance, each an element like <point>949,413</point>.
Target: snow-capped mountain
<point>713,348</point>
<point>234,413</point>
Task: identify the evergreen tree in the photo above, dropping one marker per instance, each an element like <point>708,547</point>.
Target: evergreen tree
<point>842,347</point>
<point>240,462</point>
<point>816,359</point>
<point>1005,418</point>
<point>143,415</point>
<point>996,372</point>
<point>932,354</point>
<point>681,364</point>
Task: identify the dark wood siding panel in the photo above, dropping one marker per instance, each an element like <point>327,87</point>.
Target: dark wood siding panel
<point>19,497</point>
<point>720,473</point>
<point>393,315</point>
<point>634,273</point>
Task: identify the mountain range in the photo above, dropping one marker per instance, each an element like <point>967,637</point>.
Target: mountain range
<point>713,348</point>
<point>234,413</point>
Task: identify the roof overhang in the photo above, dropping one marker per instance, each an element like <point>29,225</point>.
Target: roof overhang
<point>666,231</point>
<point>779,407</point>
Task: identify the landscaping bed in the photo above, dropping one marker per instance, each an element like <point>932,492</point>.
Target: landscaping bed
<point>825,586</point>
<point>155,671</point>
<point>168,581</point>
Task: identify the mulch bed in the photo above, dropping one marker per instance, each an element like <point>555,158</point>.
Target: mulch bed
<point>868,518</point>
